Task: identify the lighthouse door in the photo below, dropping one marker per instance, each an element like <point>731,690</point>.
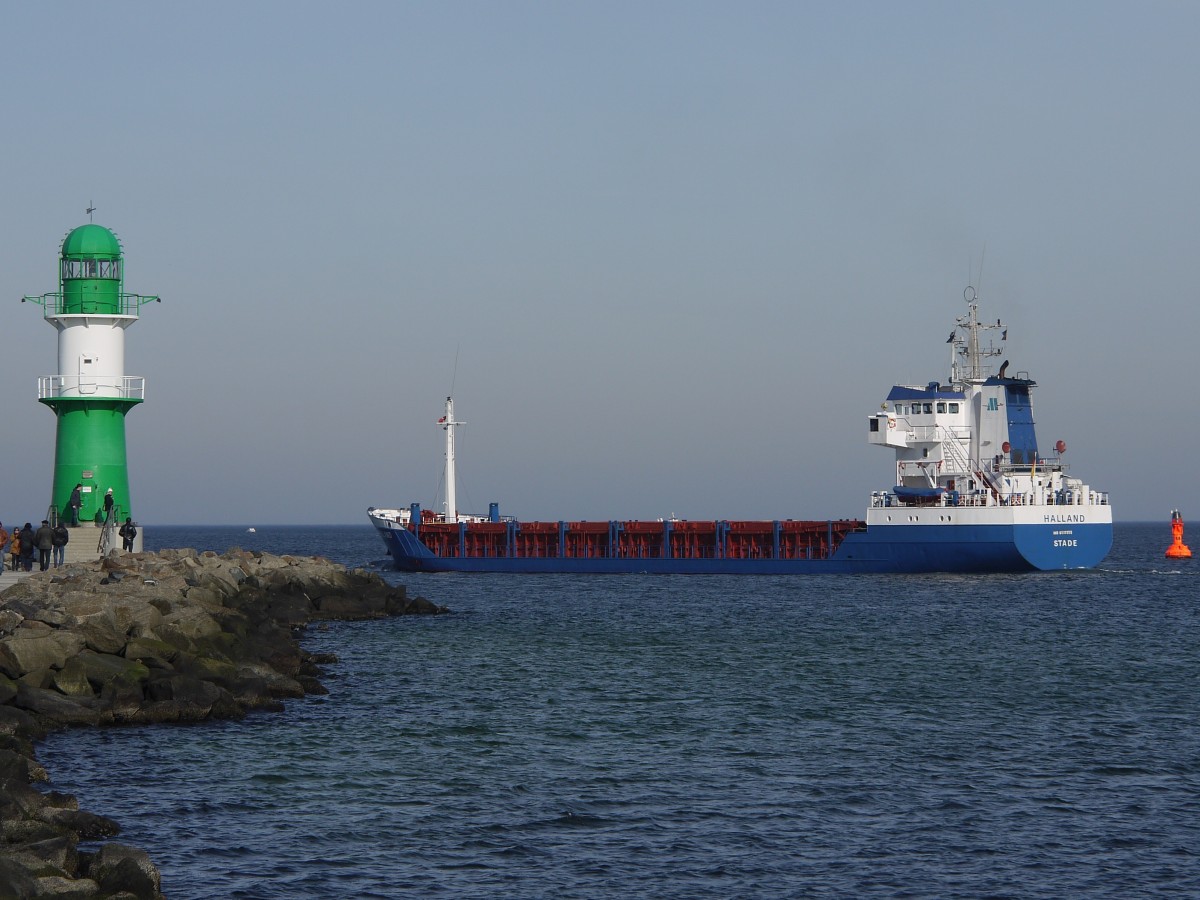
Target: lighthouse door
<point>87,373</point>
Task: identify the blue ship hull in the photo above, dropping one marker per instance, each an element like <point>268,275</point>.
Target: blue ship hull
<point>877,550</point>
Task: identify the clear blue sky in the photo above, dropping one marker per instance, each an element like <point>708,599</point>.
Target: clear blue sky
<point>679,250</point>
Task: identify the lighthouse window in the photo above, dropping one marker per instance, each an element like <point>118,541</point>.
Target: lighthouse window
<point>90,268</point>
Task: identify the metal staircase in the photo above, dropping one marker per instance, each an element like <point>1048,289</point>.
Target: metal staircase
<point>952,449</point>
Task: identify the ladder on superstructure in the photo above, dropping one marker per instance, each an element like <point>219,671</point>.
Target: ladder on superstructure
<point>958,456</point>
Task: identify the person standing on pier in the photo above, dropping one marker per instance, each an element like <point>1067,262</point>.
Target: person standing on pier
<point>108,504</point>
<point>61,536</point>
<point>128,532</point>
<point>75,503</point>
<point>14,549</point>
<point>3,543</point>
<point>44,539</point>
<point>27,547</point>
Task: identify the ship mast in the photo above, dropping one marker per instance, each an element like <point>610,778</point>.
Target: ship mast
<point>447,422</point>
<point>967,364</point>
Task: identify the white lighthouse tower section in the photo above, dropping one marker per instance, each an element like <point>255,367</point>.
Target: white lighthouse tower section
<point>91,359</point>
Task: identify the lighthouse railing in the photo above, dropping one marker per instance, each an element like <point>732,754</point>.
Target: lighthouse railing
<point>124,387</point>
<point>55,305</point>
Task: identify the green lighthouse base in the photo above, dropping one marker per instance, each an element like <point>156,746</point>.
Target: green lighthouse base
<point>90,451</point>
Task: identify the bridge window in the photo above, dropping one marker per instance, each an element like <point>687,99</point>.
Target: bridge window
<point>941,407</point>
<point>929,408</point>
<point>954,408</point>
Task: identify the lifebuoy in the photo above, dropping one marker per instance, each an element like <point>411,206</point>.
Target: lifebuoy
<point>891,422</point>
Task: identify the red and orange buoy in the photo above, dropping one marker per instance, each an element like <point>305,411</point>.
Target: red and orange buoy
<point>1178,549</point>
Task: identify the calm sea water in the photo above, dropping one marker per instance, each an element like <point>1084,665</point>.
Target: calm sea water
<point>600,736</point>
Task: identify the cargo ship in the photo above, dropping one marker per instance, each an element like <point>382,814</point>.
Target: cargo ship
<point>972,492</point>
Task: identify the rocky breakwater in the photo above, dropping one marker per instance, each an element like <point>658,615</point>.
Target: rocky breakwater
<point>173,636</point>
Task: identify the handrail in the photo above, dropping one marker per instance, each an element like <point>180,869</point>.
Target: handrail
<point>54,304</point>
<point>962,460</point>
<point>124,387</point>
<point>108,530</point>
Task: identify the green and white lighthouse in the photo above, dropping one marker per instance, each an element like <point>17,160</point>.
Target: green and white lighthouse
<point>91,394</point>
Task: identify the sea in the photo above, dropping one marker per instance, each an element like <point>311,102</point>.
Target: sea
<point>693,737</point>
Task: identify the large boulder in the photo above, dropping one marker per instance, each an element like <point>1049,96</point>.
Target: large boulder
<point>9,620</point>
<point>55,708</point>
<point>54,887</point>
<point>16,879</point>
<point>102,668</point>
<point>31,649</point>
<point>117,868</point>
<point>72,680</point>
<point>102,629</point>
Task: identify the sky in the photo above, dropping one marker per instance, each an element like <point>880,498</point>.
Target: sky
<point>668,256</point>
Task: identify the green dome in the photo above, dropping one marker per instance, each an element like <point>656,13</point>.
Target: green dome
<point>91,241</point>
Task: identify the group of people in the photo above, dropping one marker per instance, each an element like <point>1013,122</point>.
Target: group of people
<point>48,544</point>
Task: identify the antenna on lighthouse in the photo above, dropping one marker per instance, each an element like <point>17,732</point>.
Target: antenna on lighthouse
<point>91,209</point>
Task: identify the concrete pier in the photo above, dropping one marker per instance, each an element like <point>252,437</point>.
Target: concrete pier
<point>83,546</point>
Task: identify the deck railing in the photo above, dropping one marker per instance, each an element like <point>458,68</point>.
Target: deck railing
<point>984,497</point>
<point>124,387</point>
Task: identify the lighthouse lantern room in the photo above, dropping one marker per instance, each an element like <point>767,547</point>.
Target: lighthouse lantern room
<point>91,394</point>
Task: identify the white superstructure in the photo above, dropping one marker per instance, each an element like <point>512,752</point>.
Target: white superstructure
<point>971,444</point>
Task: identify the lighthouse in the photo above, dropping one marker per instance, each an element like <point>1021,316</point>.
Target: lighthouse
<point>91,394</point>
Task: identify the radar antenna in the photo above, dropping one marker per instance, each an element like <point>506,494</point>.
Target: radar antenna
<point>967,359</point>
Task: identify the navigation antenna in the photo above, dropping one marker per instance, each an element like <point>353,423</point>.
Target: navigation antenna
<point>967,358</point>
<point>91,209</point>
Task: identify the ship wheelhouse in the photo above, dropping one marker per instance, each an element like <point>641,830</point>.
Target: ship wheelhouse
<point>929,429</point>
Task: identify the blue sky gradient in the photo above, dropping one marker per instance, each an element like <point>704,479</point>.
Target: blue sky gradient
<point>668,255</point>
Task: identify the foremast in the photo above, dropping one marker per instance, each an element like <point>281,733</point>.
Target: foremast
<point>449,424</point>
